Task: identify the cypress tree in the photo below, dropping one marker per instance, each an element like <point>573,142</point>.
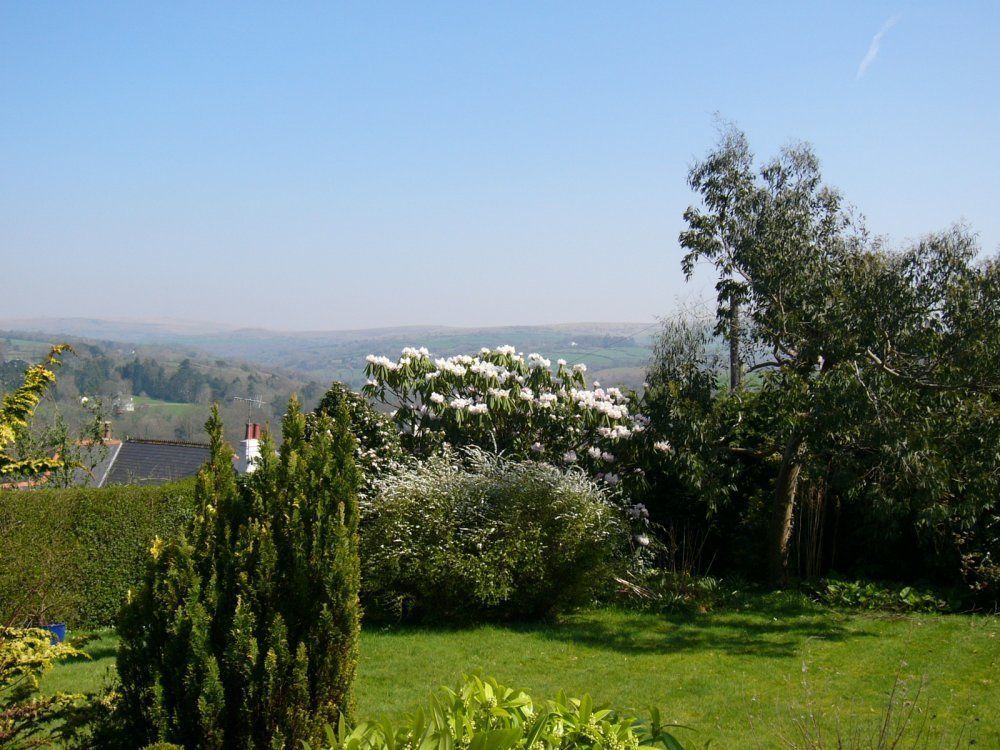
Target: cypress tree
<point>245,631</point>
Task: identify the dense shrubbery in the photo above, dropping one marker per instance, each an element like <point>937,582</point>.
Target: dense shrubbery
<point>489,537</point>
<point>72,554</point>
<point>245,630</point>
<point>484,715</point>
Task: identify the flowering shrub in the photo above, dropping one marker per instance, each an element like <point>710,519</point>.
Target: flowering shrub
<point>519,406</point>
<point>481,713</point>
<point>489,537</point>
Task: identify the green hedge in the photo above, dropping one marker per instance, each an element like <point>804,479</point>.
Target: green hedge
<point>72,554</point>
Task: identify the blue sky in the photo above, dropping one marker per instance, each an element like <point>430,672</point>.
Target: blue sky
<point>364,164</point>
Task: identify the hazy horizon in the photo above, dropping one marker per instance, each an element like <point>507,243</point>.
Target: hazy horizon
<point>349,167</point>
<point>17,323</point>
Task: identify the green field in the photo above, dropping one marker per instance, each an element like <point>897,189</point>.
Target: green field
<point>732,675</point>
<point>144,402</point>
<point>26,349</point>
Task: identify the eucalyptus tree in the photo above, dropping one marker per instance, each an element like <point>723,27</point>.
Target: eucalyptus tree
<point>717,231</point>
<point>853,343</point>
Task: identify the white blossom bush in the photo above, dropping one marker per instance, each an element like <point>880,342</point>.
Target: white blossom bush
<point>515,405</point>
<point>486,538</point>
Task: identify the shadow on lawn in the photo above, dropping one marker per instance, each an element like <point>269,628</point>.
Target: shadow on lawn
<point>96,648</point>
<point>773,634</point>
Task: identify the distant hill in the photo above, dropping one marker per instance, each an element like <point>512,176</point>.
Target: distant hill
<point>152,390</point>
<point>614,352</point>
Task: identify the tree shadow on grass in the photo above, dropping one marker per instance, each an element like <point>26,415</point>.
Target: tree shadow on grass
<point>764,634</point>
<point>95,647</point>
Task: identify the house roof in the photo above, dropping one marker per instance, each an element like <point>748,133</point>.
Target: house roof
<point>150,462</point>
<point>132,461</point>
<point>99,457</point>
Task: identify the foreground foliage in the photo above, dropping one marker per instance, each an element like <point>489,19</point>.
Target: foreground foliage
<point>26,716</point>
<point>245,631</point>
<point>482,714</point>
<point>16,411</point>
<point>485,538</point>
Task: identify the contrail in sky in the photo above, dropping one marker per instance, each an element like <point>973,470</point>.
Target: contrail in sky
<point>873,47</point>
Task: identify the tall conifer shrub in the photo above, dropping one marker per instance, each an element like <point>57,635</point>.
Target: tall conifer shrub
<point>245,631</point>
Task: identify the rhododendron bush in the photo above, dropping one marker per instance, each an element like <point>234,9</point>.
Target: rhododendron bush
<point>519,406</point>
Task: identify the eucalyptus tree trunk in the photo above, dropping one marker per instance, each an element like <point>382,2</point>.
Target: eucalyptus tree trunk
<point>735,366</point>
<point>783,510</point>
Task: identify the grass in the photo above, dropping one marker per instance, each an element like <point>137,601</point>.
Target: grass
<point>728,674</point>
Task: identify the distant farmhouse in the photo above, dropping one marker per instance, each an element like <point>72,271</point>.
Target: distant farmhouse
<point>123,404</point>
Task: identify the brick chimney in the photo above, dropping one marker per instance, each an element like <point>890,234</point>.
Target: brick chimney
<point>249,449</point>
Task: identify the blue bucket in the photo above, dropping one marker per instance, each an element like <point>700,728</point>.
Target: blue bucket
<point>58,631</point>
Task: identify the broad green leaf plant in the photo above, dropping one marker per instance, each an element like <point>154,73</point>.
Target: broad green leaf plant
<point>482,714</point>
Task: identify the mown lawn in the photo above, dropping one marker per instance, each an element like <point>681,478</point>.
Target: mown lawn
<point>733,675</point>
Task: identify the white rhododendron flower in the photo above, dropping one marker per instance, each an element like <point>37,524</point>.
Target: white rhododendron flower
<point>478,409</point>
<point>536,447</point>
<point>460,403</point>
<point>594,452</point>
<point>569,457</point>
<point>536,360</point>
<point>547,399</point>
<point>611,479</point>
<point>561,362</point>
<point>638,512</point>
<point>579,367</point>
<point>437,398</point>
<point>450,365</point>
<point>381,361</point>
<point>663,446</point>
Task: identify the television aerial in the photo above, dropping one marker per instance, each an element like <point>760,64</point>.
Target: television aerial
<point>251,402</point>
